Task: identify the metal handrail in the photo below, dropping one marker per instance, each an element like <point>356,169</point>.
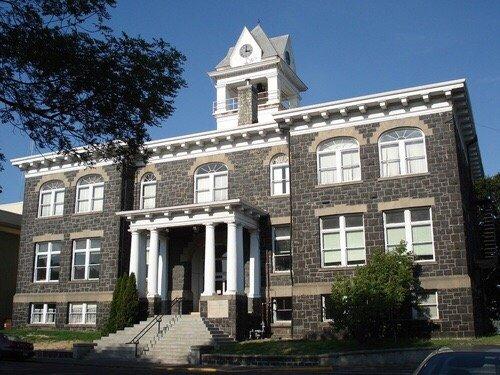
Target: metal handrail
<point>156,320</point>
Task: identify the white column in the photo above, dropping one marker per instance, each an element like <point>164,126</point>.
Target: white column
<point>209,274</point>
<point>254,290</point>
<point>134,254</point>
<point>153,263</point>
<point>163,268</point>
<point>240,269</point>
<point>232,260</point>
<point>141,273</point>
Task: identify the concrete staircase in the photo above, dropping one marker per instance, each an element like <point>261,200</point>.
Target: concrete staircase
<point>174,343</point>
<point>171,346</point>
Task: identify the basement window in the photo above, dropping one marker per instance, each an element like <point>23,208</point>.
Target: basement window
<point>282,309</point>
<point>43,313</point>
<point>82,313</point>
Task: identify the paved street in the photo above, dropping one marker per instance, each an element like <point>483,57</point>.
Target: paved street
<point>53,368</point>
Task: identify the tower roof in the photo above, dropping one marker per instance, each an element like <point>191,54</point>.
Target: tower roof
<point>270,46</point>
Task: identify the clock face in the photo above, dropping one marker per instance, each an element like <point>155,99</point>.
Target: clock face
<point>246,50</point>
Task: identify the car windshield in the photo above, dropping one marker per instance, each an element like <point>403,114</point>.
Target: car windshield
<point>463,363</point>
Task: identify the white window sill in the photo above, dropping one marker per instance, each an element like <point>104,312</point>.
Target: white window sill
<point>50,217</point>
<point>279,195</point>
<point>83,280</point>
<point>335,184</point>
<point>46,282</point>
<point>348,267</point>
<point>403,176</point>
<point>280,273</point>
<point>282,323</point>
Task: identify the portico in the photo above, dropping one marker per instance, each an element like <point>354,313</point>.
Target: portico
<point>151,248</point>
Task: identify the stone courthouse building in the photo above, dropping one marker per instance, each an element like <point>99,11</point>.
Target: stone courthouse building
<point>256,218</point>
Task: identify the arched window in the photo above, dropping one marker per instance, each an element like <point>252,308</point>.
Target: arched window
<point>90,193</point>
<point>51,199</point>
<point>280,175</point>
<point>210,183</point>
<point>338,161</point>
<point>148,191</point>
<point>402,151</point>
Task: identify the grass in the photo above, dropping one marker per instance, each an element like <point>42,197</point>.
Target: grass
<point>35,335</point>
<point>303,347</point>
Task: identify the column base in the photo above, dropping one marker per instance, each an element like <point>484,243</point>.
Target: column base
<point>154,305</point>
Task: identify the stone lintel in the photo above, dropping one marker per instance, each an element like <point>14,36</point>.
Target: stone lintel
<point>86,234</point>
<point>48,237</point>
<point>406,203</point>
<point>281,220</point>
<point>340,209</point>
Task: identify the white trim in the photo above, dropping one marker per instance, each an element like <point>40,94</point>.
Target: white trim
<point>337,155</point>
<point>91,199</point>
<point>280,238</point>
<point>285,168</point>
<point>45,313</point>
<point>315,127</point>
<point>84,314</point>
<point>143,186</point>
<point>402,156</point>
<point>408,225</point>
<point>48,266</point>
<point>88,249</point>
<point>415,314</point>
<point>275,313</point>
<point>323,309</point>
<point>52,202</point>
<point>342,230</point>
<point>211,184</point>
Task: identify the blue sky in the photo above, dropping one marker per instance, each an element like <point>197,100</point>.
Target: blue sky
<point>342,49</point>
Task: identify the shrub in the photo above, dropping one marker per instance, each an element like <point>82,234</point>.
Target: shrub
<point>124,310</point>
<point>376,302</point>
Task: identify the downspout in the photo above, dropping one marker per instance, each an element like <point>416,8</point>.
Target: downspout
<point>287,129</point>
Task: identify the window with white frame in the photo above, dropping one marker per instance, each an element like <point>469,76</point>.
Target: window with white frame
<point>402,151</point>
<point>342,240</point>
<point>211,183</point>
<point>282,256</point>
<point>338,161</point>
<point>47,261</point>
<point>282,309</point>
<point>412,226</point>
<point>280,175</point>
<point>86,259</point>
<point>90,193</point>
<point>51,199</point>
<point>148,191</point>
<point>43,313</point>
<point>429,307</point>
<point>326,308</point>
<point>82,313</point>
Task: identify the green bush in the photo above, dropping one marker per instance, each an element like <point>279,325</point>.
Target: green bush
<point>376,302</point>
<point>124,310</point>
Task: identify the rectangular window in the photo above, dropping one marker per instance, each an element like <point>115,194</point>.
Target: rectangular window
<point>282,309</point>
<point>342,240</point>
<point>280,183</point>
<point>43,313</point>
<point>413,226</point>
<point>82,313</point>
<point>47,261</point>
<point>86,259</point>
<point>282,256</point>
<point>429,307</point>
<point>326,313</point>
<point>149,195</point>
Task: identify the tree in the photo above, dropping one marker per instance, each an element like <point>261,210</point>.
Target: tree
<point>125,309</point>
<point>489,187</point>
<point>376,302</point>
<point>67,80</point>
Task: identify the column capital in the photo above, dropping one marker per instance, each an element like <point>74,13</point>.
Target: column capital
<point>133,230</point>
<point>153,229</point>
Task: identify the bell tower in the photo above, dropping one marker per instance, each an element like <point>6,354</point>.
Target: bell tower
<point>255,79</point>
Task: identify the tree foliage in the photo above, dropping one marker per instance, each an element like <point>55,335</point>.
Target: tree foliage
<point>489,187</point>
<point>125,308</point>
<point>67,80</point>
<point>376,302</point>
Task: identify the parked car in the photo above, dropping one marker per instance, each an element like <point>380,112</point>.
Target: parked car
<point>11,347</point>
<point>446,361</point>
